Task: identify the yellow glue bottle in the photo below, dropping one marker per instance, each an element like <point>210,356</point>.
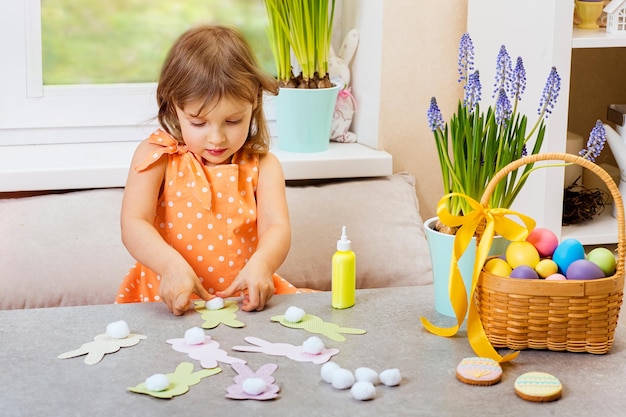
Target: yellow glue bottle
<point>343,273</point>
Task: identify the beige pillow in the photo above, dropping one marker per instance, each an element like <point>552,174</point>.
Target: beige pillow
<point>61,249</point>
<point>382,218</point>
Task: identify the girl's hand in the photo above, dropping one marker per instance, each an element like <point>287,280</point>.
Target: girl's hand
<point>177,286</point>
<point>260,285</point>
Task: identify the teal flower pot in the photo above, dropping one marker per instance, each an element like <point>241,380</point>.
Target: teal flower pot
<point>440,245</point>
<point>304,118</point>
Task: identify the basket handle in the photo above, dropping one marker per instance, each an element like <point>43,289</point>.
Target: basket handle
<point>555,156</point>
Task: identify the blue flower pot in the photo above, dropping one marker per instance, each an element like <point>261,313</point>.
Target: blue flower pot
<point>304,118</point>
<point>440,245</point>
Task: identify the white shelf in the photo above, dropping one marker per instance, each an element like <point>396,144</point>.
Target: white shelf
<point>597,38</point>
<point>99,165</point>
<point>599,230</point>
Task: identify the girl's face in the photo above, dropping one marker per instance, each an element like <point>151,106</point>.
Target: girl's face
<point>217,135</point>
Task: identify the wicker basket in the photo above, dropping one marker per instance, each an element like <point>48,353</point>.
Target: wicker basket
<point>574,316</point>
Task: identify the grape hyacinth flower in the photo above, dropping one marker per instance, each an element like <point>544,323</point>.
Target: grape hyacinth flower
<point>503,108</point>
<point>466,57</point>
<point>518,80</point>
<point>550,93</point>
<point>472,91</point>
<point>503,72</point>
<point>476,135</point>
<point>595,143</point>
<point>435,119</point>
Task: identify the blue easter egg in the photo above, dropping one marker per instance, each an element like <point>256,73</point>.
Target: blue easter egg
<point>566,252</point>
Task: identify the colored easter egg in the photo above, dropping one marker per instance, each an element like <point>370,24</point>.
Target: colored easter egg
<point>522,253</point>
<point>525,272</point>
<point>546,267</point>
<point>568,251</point>
<point>556,277</point>
<point>498,266</point>
<point>584,269</point>
<point>604,258</point>
<point>544,240</point>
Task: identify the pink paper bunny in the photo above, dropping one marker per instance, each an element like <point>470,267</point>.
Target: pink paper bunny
<point>208,352</point>
<point>236,390</point>
<point>295,353</point>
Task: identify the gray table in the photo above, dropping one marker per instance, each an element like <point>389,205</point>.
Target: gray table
<point>34,382</point>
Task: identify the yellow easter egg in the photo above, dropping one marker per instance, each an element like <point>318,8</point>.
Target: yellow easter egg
<point>522,253</point>
<point>546,267</point>
<point>498,266</point>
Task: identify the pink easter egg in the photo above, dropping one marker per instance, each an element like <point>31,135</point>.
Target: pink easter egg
<point>556,277</point>
<point>544,240</point>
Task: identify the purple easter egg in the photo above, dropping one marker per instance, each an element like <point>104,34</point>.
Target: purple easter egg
<point>524,272</point>
<point>584,269</point>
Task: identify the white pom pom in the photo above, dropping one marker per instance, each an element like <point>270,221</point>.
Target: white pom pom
<point>294,314</point>
<point>363,390</point>
<point>215,303</point>
<point>254,386</point>
<point>366,374</point>
<point>313,345</point>
<point>118,329</point>
<point>327,371</point>
<point>342,379</point>
<point>390,377</point>
<point>194,336</point>
<point>157,382</point>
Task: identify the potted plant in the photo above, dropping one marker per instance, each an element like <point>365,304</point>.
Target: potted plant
<point>476,144</point>
<point>306,100</point>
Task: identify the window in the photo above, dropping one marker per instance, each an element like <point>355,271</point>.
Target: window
<point>91,67</point>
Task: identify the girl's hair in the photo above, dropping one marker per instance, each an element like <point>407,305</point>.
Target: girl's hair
<point>205,64</point>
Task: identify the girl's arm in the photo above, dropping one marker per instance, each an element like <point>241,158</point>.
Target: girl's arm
<point>143,241</point>
<point>274,232</point>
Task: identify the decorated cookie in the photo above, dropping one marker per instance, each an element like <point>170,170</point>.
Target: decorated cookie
<point>479,371</point>
<point>538,387</point>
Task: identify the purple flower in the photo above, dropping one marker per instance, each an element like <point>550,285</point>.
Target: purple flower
<point>550,93</point>
<point>503,72</point>
<point>435,119</point>
<point>503,108</point>
<point>466,57</point>
<point>518,80</point>
<point>472,91</point>
<point>595,143</point>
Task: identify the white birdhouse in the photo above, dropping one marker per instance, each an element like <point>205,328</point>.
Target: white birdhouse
<point>616,16</point>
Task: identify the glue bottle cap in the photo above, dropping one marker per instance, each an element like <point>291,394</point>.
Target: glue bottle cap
<point>344,244</point>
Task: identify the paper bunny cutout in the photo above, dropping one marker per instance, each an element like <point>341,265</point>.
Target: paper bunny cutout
<point>339,64</point>
<point>236,391</point>
<point>208,352</point>
<point>101,345</point>
<point>180,381</point>
<point>295,353</point>
<point>212,318</point>
<point>316,325</point>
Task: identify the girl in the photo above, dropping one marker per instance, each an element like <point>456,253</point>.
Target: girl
<point>204,210</point>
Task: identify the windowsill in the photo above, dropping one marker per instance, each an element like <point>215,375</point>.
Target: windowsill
<point>102,165</point>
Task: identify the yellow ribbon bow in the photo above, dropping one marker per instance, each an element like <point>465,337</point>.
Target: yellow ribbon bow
<point>188,161</point>
<point>495,220</point>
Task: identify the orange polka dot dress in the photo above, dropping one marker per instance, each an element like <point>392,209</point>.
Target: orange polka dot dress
<point>208,214</point>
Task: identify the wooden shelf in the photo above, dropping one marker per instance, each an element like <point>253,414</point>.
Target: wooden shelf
<point>101,165</point>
